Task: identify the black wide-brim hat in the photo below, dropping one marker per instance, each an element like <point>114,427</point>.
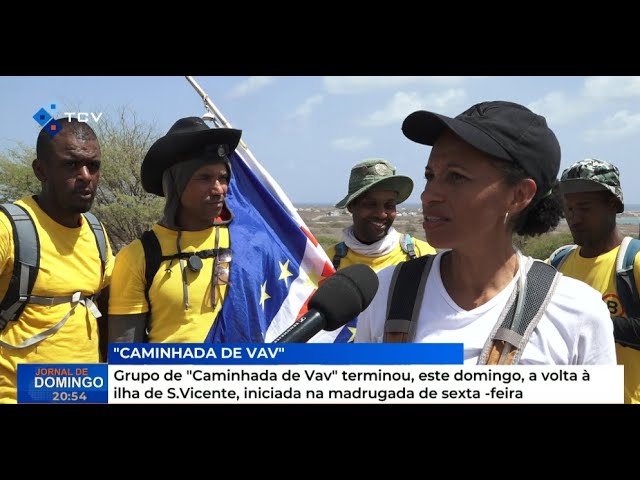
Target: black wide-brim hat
<point>187,135</point>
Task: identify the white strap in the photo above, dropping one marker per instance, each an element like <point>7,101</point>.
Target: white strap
<point>75,299</point>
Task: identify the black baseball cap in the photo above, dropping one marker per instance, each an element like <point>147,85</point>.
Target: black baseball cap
<point>505,130</point>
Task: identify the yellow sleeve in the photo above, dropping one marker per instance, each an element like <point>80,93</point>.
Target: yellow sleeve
<point>128,282</point>
<point>423,248</point>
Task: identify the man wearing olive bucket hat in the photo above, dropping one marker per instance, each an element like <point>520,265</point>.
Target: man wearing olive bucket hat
<point>169,285</point>
<point>374,192</point>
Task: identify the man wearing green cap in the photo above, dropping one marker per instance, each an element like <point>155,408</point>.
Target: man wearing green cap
<point>374,192</point>
<point>592,198</point>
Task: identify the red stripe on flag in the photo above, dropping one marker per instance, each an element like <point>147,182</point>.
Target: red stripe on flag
<point>328,270</point>
<point>310,236</point>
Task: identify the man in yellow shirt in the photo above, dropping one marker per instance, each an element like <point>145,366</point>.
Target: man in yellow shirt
<point>59,321</point>
<point>190,167</point>
<point>374,193</point>
<point>593,197</point>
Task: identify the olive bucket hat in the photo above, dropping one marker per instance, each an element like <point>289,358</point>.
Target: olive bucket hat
<point>376,174</point>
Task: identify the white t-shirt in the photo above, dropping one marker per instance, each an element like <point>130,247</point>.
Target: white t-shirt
<point>575,328</point>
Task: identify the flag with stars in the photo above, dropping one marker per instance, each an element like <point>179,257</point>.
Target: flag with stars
<point>277,263</point>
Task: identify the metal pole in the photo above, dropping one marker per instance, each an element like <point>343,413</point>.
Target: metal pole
<point>217,114</point>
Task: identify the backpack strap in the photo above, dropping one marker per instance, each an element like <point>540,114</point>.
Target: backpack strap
<point>153,258</point>
<point>541,280</point>
<point>559,256</point>
<point>26,262</point>
<point>407,244</point>
<point>101,239</point>
<point>78,298</point>
<point>626,331</point>
<point>341,252</point>
<point>405,298</point>
<point>625,281</point>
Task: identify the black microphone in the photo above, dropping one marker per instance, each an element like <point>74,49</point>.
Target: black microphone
<point>339,299</point>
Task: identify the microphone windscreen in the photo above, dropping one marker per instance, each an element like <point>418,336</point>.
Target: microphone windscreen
<point>345,294</point>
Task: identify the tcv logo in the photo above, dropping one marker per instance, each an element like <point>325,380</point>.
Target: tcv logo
<point>52,126</point>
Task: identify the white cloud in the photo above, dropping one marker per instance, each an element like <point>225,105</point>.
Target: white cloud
<point>558,108</point>
<point>249,86</point>
<point>612,87</point>
<point>403,103</point>
<point>350,144</point>
<point>561,108</point>
<point>620,124</point>
<point>353,85</point>
<point>306,108</point>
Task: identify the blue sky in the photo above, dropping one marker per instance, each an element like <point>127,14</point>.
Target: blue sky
<point>309,131</point>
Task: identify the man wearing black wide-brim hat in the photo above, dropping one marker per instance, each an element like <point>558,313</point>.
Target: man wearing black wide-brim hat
<point>169,285</point>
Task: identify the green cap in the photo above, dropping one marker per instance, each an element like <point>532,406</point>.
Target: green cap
<point>376,174</point>
<point>591,175</point>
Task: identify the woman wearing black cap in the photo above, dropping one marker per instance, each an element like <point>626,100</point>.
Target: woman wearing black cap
<point>178,299</point>
<point>491,174</point>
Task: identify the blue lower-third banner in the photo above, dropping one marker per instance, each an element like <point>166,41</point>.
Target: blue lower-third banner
<point>62,383</point>
<point>287,354</point>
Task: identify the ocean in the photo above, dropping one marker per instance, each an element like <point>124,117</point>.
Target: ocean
<point>628,220</point>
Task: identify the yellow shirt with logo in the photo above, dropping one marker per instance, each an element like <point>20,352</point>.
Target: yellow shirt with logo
<point>599,272</point>
<point>69,263</point>
<point>170,321</point>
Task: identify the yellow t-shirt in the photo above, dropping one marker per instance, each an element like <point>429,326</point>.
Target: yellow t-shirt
<point>170,321</point>
<point>69,262</point>
<point>599,272</point>
<point>396,256</point>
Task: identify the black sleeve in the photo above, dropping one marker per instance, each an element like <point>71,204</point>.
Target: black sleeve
<point>128,328</point>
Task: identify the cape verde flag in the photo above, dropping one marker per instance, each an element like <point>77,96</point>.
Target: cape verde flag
<point>277,263</point>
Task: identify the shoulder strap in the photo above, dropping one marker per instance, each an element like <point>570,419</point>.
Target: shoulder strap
<point>405,298</point>
<point>341,252</point>
<point>153,258</point>
<point>559,256</point>
<point>407,245</point>
<point>98,232</point>
<point>26,261</point>
<point>625,281</point>
<point>541,280</point>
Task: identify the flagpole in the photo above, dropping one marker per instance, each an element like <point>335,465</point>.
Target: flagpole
<point>315,263</point>
<point>217,114</point>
